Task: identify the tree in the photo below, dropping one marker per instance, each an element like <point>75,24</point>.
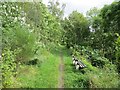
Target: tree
<point>94,24</point>
<point>18,41</point>
<point>42,22</point>
<point>105,23</point>
<point>76,28</point>
<point>92,15</point>
<point>110,15</point>
<point>56,9</point>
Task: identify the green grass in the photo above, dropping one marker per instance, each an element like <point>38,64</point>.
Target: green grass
<point>73,78</point>
<point>92,78</point>
<point>42,75</point>
<point>104,79</point>
<point>76,78</point>
<point>46,73</point>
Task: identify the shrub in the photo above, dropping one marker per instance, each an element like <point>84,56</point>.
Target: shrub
<point>8,67</point>
<point>94,56</point>
<point>118,53</point>
<point>25,40</point>
<point>15,32</point>
<point>103,78</point>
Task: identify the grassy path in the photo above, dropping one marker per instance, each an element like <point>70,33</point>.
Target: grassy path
<point>61,72</point>
<point>43,75</point>
<point>52,70</point>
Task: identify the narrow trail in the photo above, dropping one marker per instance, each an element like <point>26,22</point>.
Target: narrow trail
<point>61,71</point>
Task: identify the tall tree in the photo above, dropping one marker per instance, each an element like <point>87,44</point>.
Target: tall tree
<point>77,29</point>
<point>95,21</point>
<point>56,9</point>
<point>110,25</point>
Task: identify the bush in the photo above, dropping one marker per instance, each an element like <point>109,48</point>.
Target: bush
<point>8,67</point>
<point>93,56</point>
<point>18,41</point>
<point>118,53</point>
<point>15,32</point>
<point>25,41</point>
<point>103,79</point>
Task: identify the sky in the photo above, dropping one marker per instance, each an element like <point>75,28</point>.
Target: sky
<point>81,6</point>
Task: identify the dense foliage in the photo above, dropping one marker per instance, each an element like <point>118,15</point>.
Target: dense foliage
<point>30,30</point>
<point>75,29</point>
<point>98,44</point>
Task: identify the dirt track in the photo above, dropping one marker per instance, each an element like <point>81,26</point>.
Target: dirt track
<point>61,71</point>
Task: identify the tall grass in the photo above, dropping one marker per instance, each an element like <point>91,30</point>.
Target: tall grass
<point>41,75</point>
<point>92,77</point>
<point>45,73</point>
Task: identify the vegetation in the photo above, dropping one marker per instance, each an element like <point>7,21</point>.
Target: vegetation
<point>36,39</point>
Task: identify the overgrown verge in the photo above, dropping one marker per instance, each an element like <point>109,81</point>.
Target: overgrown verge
<point>43,74</point>
<point>93,76</point>
<point>22,35</point>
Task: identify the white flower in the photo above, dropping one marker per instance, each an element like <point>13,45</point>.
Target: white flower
<point>15,19</point>
<point>28,25</point>
<point>13,7</point>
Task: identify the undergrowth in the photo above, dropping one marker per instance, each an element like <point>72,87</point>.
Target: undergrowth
<point>44,74</point>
